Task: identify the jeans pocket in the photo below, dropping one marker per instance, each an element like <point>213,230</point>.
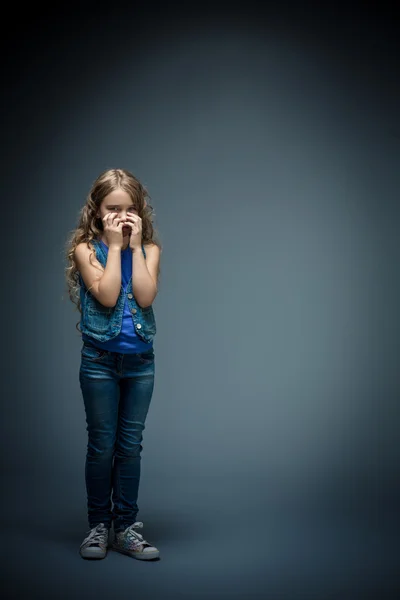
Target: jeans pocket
<point>147,356</point>
<point>92,352</point>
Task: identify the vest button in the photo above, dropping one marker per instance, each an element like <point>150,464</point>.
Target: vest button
<point>130,295</point>
<point>134,311</point>
<point>139,326</point>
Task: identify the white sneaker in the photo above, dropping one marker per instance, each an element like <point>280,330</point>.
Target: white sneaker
<point>132,543</point>
<point>95,544</point>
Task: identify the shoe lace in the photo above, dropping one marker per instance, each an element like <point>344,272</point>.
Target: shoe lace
<point>133,535</point>
<point>96,535</point>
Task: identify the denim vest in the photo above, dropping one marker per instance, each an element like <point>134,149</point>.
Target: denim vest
<point>103,322</point>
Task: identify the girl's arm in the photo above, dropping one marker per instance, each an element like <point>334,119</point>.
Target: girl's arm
<point>104,284</point>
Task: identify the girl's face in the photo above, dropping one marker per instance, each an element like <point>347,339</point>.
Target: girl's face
<point>119,202</point>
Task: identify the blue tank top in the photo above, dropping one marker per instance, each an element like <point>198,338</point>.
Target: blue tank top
<point>127,341</point>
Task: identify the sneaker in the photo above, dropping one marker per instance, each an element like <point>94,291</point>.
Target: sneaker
<point>132,543</point>
<point>95,544</point>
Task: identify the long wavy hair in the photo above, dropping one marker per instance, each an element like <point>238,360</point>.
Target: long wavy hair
<point>91,227</point>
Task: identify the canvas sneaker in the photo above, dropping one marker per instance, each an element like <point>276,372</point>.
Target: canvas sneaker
<point>132,543</point>
<point>95,544</point>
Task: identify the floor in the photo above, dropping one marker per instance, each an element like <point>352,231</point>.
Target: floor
<point>218,538</point>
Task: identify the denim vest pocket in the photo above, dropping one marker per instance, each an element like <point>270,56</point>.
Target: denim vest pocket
<point>149,320</point>
<point>97,315</point>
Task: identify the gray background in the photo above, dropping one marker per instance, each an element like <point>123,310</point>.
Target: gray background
<point>268,139</point>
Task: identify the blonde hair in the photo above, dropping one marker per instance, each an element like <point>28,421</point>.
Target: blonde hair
<point>90,226</point>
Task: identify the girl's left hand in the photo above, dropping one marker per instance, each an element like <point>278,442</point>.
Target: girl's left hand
<point>135,239</point>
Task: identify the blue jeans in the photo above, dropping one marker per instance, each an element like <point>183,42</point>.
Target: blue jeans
<point>117,390</point>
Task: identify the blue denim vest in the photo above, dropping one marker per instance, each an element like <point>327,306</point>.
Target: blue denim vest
<point>103,322</point>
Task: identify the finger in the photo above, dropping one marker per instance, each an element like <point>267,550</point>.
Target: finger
<point>117,221</point>
<point>127,224</point>
<point>135,221</point>
<point>109,217</point>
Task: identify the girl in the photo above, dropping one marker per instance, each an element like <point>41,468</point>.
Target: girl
<point>112,277</point>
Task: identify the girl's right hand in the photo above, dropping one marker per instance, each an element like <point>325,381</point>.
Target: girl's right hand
<point>113,230</point>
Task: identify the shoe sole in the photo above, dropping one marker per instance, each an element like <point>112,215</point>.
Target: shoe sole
<point>137,555</point>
